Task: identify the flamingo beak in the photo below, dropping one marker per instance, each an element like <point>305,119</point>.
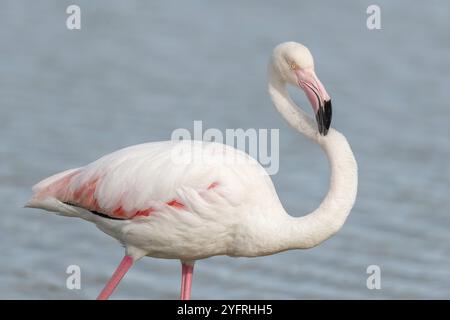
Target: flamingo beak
<point>317,96</point>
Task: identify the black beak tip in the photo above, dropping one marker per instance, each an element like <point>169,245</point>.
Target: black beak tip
<point>323,117</point>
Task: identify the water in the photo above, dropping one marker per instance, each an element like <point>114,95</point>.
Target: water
<point>137,71</point>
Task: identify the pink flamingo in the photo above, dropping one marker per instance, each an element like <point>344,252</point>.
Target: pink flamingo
<point>222,202</point>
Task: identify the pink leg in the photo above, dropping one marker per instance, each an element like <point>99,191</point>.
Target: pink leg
<point>187,271</point>
<point>183,281</point>
<point>123,267</point>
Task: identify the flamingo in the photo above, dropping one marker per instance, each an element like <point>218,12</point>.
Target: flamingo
<point>163,200</point>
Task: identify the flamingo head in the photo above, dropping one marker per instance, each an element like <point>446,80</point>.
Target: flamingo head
<point>294,64</point>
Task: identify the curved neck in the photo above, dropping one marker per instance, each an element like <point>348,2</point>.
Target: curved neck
<point>294,116</point>
<point>314,228</point>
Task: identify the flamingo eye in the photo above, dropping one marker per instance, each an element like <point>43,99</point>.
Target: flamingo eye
<point>293,66</point>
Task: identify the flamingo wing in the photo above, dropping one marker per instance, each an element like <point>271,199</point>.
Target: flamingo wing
<point>136,181</point>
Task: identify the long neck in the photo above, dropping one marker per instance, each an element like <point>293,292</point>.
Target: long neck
<point>317,226</point>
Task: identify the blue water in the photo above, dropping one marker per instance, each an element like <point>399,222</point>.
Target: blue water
<point>136,71</point>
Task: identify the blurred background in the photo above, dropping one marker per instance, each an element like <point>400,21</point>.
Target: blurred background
<point>138,70</point>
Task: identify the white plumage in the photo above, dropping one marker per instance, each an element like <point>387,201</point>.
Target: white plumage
<point>189,200</point>
<point>147,176</point>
